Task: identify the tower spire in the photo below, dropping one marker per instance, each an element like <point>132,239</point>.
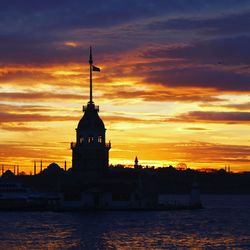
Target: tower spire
<point>90,76</point>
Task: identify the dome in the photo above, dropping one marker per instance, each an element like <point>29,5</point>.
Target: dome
<point>8,175</point>
<point>52,169</point>
<point>90,120</point>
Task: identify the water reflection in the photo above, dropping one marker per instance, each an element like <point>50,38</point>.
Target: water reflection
<point>217,227</point>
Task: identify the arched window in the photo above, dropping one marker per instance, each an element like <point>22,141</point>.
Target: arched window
<point>81,139</point>
<point>90,139</point>
<point>99,139</point>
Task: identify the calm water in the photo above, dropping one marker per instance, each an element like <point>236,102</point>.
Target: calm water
<point>224,224</point>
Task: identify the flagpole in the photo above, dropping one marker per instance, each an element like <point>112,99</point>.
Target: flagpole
<point>90,73</point>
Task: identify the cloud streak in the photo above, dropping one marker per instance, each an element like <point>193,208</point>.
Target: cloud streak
<point>213,117</point>
<point>220,25</point>
<point>8,117</point>
<point>31,95</point>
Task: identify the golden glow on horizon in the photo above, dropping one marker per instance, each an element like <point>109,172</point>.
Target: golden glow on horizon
<point>41,106</point>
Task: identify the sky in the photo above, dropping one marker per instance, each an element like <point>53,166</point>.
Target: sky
<point>173,88</point>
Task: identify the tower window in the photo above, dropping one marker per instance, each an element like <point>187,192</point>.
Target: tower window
<point>90,139</point>
<point>99,139</point>
<point>81,140</point>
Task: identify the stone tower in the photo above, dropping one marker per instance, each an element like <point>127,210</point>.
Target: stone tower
<point>90,153</point>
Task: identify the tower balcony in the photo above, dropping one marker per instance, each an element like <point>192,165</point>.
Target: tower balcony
<point>95,107</point>
<point>72,145</point>
<point>108,145</point>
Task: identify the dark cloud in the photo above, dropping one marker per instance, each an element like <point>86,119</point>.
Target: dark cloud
<point>219,25</point>
<point>74,14</point>
<point>17,50</point>
<point>213,117</point>
<point>34,32</point>
<point>77,14</point>
<point>201,78</point>
<point>228,51</point>
<point>205,64</point>
<point>30,34</point>
<point>194,116</point>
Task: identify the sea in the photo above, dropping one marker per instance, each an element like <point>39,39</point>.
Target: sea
<point>223,223</point>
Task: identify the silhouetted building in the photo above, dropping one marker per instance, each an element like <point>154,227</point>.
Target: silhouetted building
<point>90,153</point>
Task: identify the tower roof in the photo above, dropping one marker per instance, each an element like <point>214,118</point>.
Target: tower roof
<point>91,119</point>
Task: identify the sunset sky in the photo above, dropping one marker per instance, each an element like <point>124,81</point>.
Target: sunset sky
<point>173,88</point>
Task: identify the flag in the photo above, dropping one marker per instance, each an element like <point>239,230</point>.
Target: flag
<point>94,68</point>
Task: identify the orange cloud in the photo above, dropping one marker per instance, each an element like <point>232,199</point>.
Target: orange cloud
<point>39,96</point>
<point>8,117</point>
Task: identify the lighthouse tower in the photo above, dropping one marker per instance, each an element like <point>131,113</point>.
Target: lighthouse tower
<point>90,153</point>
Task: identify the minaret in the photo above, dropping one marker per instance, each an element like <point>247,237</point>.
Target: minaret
<point>136,162</point>
<point>136,165</point>
<point>90,153</point>
<point>34,167</point>
<point>41,166</point>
